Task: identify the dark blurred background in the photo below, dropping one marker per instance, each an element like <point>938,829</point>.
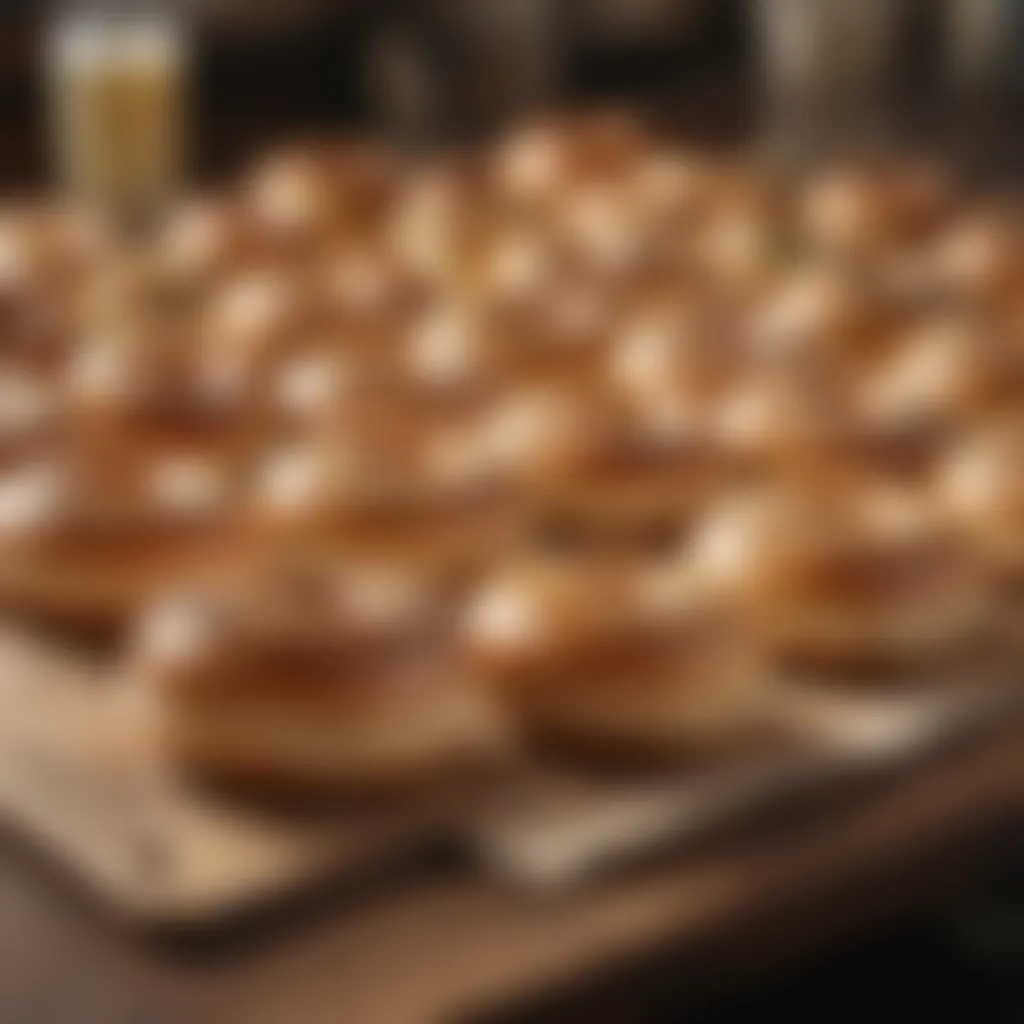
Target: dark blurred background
<point>443,69</point>
<point>421,69</point>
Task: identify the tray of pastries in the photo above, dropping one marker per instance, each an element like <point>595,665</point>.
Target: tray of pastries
<point>555,498</point>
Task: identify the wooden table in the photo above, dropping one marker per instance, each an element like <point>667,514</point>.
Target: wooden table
<point>443,943</point>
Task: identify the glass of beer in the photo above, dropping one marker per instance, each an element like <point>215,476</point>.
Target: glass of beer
<point>117,79</point>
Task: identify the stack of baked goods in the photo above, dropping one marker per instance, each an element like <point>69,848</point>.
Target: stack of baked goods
<point>375,464</point>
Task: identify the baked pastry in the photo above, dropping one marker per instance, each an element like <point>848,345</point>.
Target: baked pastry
<point>31,418</point>
<point>449,359</point>
<point>584,457</point>
<point>256,316</point>
<point>782,422</point>
<point>674,353</point>
<point>937,381</point>
<point>368,288</point>
<point>436,364</point>
<point>848,576</point>
<point>441,222</point>
<point>47,249</point>
<point>359,339</point>
<point>617,657</point>
<point>47,260</point>
<point>978,258</point>
<point>89,534</point>
<point>137,285</point>
<point>672,191</point>
<point>981,481</point>
<point>819,319</point>
<point>315,384</point>
<point>737,256</point>
<point>602,234</point>
<point>305,195</point>
<point>158,385</point>
<point>537,165</point>
<point>562,336</point>
<point>413,487</point>
<point>862,212</point>
<point>518,267</point>
<point>205,239</point>
<point>312,680</point>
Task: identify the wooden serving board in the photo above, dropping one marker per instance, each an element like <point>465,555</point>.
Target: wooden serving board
<point>84,786</point>
<point>76,780</point>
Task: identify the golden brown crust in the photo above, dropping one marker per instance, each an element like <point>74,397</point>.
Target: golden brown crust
<point>631,661</point>
<point>981,483</point>
<point>262,768</point>
<point>92,532</point>
<point>845,574</point>
<point>324,679</point>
